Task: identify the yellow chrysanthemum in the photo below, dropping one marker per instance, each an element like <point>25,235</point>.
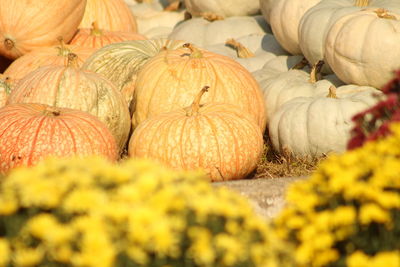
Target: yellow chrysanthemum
<point>5,252</point>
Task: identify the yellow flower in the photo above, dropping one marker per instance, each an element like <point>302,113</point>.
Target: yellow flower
<point>5,252</point>
<point>230,247</point>
<point>8,204</point>
<point>201,249</point>
<point>386,259</point>
<point>84,199</point>
<point>373,213</point>
<point>343,215</point>
<point>26,257</point>
<point>358,259</point>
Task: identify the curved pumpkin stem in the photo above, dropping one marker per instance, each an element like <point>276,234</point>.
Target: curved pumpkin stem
<point>62,50</point>
<point>316,71</point>
<point>194,108</point>
<point>211,16</point>
<point>361,3</point>
<point>194,52</point>
<point>95,30</point>
<point>332,92</point>
<point>383,14</point>
<point>241,50</point>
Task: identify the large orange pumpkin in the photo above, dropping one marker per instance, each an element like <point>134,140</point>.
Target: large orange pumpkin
<point>170,80</point>
<point>26,25</point>
<point>31,132</point>
<point>53,55</point>
<point>4,90</point>
<point>96,37</point>
<point>71,87</point>
<point>113,15</point>
<point>216,137</point>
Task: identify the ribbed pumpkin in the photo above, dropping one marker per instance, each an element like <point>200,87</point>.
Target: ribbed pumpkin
<point>177,74</point>
<point>26,25</point>
<point>96,37</point>
<point>223,8</point>
<point>120,62</point>
<point>216,137</point>
<point>71,87</point>
<point>4,90</point>
<point>112,15</point>
<point>54,55</point>
<point>31,132</point>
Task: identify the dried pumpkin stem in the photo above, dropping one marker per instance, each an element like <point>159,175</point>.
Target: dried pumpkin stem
<point>361,3</point>
<point>9,44</point>
<point>383,14</point>
<point>316,71</point>
<point>194,52</point>
<point>54,111</point>
<point>72,60</point>
<point>332,92</point>
<point>62,50</point>
<point>194,108</point>
<point>95,29</point>
<point>301,64</point>
<point>241,50</point>
<point>174,6</point>
<point>211,16</point>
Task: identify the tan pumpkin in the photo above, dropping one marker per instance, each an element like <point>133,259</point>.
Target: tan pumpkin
<point>71,87</point>
<point>5,90</point>
<point>28,25</point>
<point>120,62</point>
<point>216,137</point>
<point>97,38</point>
<point>223,8</point>
<point>54,55</point>
<point>177,74</point>
<point>31,132</point>
<point>112,15</point>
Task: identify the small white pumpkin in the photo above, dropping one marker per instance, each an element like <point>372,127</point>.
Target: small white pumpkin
<point>363,47</point>
<point>222,7</point>
<point>315,126</point>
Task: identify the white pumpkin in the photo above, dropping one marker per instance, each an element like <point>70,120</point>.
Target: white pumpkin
<point>316,22</point>
<point>266,7</point>
<point>363,47</point>
<point>315,126</point>
<point>202,32</point>
<point>284,19</point>
<point>222,7</point>
<point>251,51</point>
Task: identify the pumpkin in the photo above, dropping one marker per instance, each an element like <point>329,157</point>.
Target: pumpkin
<point>216,137</point>
<point>223,8</point>
<point>251,51</point>
<point>316,22</point>
<point>354,46</point>
<point>110,15</point>
<point>318,125</point>
<point>31,132</point>
<point>120,62</point>
<point>27,25</point>
<point>177,74</point>
<point>287,85</point>
<point>265,8</point>
<point>97,38</point>
<point>5,90</point>
<point>202,32</point>
<point>284,19</point>
<point>71,87</point>
<point>54,55</point>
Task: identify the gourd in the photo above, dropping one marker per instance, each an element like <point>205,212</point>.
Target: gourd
<point>215,137</point>
<point>31,132</point>
<point>28,25</point>
<point>177,74</point>
<point>97,38</point>
<point>318,125</point>
<point>355,43</point>
<point>223,8</point>
<point>70,87</point>
<point>110,15</point>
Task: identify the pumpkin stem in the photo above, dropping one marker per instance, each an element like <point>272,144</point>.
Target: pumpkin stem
<point>241,50</point>
<point>332,92</point>
<point>194,52</point>
<point>211,16</point>
<point>301,64</point>
<point>62,50</point>
<point>174,6</point>
<point>72,60</point>
<point>54,111</point>
<point>194,108</point>
<point>95,30</point>
<point>9,44</point>
<point>383,14</point>
<point>361,3</point>
<point>316,72</point>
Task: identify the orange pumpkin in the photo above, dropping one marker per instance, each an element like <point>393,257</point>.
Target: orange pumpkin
<point>71,87</point>
<point>31,132</point>
<point>97,38</point>
<point>170,80</point>
<point>54,55</point>
<point>216,137</point>
<point>26,25</point>
<point>112,15</point>
<point>4,90</point>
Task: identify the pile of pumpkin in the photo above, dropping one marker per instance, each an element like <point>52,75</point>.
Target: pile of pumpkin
<point>191,84</point>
